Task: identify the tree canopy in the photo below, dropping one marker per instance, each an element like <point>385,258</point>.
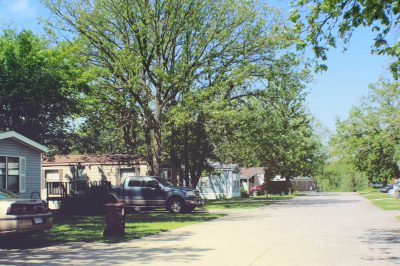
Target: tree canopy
<point>322,22</point>
<point>154,55</point>
<point>40,88</point>
<point>369,138</point>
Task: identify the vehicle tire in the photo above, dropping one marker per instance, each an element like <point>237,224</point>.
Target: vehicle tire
<point>255,193</point>
<point>176,205</point>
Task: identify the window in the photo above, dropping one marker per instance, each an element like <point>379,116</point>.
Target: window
<point>135,183</point>
<point>205,181</point>
<point>151,183</point>
<point>12,173</point>
<point>166,173</point>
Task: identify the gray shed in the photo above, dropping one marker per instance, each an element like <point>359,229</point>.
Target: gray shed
<point>20,163</point>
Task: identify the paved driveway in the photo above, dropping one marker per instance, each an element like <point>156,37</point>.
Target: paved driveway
<point>317,229</point>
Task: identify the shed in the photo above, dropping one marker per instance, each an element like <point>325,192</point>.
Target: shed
<point>304,183</point>
<point>223,183</point>
<point>20,164</point>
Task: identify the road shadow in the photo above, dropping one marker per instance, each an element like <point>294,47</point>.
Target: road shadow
<point>104,254</point>
<point>387,241</point>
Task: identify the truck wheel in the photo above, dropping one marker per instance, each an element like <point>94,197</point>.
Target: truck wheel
<point>176,206</point>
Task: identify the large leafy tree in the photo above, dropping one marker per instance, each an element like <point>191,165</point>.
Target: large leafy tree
<point>151,54</point>
<point>275,130</point>
<point>369,139</point>
<point>322,22</point>
<point>40,88</point>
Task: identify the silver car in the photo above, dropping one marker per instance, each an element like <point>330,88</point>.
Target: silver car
<point>19,215</point>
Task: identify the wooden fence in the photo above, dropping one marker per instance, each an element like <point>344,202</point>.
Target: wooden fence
<point>60,190</point>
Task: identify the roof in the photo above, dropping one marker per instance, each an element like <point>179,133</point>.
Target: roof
<point>249,172</point>
<point>218,165</point>
<point>23,140</point>
<point>91,159</point>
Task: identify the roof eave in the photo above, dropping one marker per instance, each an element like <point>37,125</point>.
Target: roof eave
<point>23,140</point>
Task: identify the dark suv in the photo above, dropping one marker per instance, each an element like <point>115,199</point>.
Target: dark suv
<point>150,191</point>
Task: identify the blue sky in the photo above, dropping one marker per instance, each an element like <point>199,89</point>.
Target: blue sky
<point>332,93</point>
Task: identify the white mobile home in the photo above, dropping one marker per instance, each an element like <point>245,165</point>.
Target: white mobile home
<point>224,183</point>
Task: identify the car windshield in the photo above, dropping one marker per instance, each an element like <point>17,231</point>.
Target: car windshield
<point>4,194</point>
<point>164,182</point>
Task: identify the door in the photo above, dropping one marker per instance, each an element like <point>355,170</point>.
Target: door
<point>153,193</point>
<point>133,192</point>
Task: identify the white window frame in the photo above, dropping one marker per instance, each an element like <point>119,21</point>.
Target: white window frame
<point>169,173</point>
<point>21,172</point>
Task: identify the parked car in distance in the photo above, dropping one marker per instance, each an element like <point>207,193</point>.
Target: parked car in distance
<point>155,192</point>
<point>385,189</point>
<point>18,215</point>
<point>256,190</point>
<point>377,185</point>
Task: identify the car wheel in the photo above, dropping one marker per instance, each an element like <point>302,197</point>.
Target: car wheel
<point>176,206</point>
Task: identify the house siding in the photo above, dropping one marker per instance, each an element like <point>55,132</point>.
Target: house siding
<point>93,172</point>
<point>226,185</point>
<point>10,147</point>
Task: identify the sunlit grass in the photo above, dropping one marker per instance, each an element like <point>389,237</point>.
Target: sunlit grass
<point>382,200</point>
<point>79,228</point>
<point>247,203</point>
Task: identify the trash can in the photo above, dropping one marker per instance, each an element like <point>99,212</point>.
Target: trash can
<point>115,220</point>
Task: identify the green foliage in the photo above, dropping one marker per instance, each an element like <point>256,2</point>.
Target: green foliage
<point>158,60</point>
<point>273,130</point>
<point>40,88</point>
<point>338,175</point>
<point>322,22</point>
<point>369,138</point>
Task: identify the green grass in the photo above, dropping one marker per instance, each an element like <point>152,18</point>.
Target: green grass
<point>79,228</point>
<point>382,200</point>
<point>246,203</point>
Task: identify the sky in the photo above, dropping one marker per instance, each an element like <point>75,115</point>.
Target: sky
<point>331,94</point>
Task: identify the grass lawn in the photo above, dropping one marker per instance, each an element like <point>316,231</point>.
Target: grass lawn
<point>246,203</point>
<point>78,228</point>
<point>382,200</point>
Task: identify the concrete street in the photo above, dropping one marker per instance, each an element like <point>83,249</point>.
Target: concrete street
<point>317,229</point>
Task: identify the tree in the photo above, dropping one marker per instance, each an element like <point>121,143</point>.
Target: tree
<point>40,88</point>
<point>151,54</point>
<point>324,21</point>
<point>369,138</point>
<point>275,130</point>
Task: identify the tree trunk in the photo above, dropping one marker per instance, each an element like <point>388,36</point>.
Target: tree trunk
<point>288,185</point>
<point>157,143</point>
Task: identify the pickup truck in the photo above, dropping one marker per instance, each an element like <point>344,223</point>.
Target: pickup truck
<point>154,192</point>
